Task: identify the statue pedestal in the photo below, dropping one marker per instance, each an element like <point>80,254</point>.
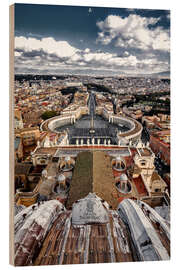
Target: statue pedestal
<point>92,131</point>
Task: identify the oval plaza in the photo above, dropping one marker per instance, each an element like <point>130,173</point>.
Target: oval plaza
<point>94,125</point>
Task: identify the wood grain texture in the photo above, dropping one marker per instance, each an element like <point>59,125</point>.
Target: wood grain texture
<point>11,134</point>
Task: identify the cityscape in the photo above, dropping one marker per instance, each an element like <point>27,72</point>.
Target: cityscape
<point>92,115</point>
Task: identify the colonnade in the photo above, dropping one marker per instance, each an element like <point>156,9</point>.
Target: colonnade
<point>91,141</point>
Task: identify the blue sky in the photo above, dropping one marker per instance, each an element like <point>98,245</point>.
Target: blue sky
<point>89,40</point>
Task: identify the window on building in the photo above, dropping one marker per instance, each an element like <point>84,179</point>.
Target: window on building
<point>143,162</point>
<point>42,161</point>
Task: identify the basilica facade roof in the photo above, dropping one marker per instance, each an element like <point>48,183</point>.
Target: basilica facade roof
<point>93,173</point>
<point>48,234</point>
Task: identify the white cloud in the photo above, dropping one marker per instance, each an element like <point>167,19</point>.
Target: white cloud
<point>87,50</point>
<point>48,45</point>
<point>97,57</point>
<point>161,41</point>
<point>133,32</point>
<point>51,55</point>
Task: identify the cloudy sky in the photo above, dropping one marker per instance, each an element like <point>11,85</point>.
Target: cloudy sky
<point>90,40</point>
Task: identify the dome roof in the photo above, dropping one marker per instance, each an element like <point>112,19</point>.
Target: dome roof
<point>31,226</point>
<point>61,178</point>
<point>123,177</point>
<point>67,158</point>
<point>128,234</point>
<point>44,172</point>
<point>18,209</point>
<point>89,210</point>
<point>119,163</point>
<point>120,158</point>
<point>144,235</point>
<point>66,163</point>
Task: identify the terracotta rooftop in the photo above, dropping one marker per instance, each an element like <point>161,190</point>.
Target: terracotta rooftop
<point>155,176</point>
<point>145,152</point>
<point>45,150</point>
<point>29,129</point>
<point>79,249</point>
<point>136,169</point>
<point>22,168</point>
<point>17,114</point>
<point>142,191</point>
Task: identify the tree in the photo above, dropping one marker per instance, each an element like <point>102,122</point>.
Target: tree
<point>48,114</point>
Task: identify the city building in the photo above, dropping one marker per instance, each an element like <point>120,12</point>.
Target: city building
<point>87,186</point>
<point>18,122</point>
<point>160,144</point>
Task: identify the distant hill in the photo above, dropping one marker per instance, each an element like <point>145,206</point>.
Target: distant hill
<point>162,74</point>
<point>34,77</point>
<point>165,74</point>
